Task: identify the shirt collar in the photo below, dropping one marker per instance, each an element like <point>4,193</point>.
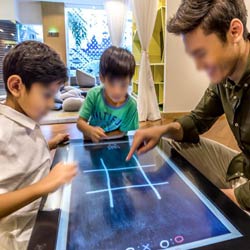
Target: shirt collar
<point>17,117</point>
<point>246,75</point>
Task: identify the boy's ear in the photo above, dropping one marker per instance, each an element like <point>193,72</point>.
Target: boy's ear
<point>15,85</point>
<point>102,78</point>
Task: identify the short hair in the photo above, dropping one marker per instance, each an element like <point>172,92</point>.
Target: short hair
<point>213,16</point>
<point>34,62</point>
<point>117,63</point>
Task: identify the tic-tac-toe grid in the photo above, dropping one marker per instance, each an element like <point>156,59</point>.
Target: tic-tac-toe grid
<point>138,166</point>
<point>148,199</point>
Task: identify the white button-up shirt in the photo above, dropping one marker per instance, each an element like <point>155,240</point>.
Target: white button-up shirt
<point>24,160</point>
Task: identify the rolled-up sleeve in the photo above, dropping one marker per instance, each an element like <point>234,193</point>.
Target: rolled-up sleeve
<point>242,194</point>
<point>202,118</point>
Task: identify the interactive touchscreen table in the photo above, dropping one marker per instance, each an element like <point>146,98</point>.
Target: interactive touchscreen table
<point>154,201</point>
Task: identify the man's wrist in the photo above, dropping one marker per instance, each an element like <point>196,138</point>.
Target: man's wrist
<point>172,127</point>
<point>164,130</point>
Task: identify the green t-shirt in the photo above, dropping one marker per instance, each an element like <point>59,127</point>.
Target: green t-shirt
<point>98,112</point>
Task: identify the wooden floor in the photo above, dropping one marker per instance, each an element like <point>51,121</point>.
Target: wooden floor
<point>219,132</point>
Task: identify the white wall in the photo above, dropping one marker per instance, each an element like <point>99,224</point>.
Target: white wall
<point>30,12</point>
<point>24,11</point>
<point>184,84</point>
<point>9,10</point>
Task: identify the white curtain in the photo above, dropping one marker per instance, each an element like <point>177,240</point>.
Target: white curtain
<point>116,13</point>
<point>145,12</point>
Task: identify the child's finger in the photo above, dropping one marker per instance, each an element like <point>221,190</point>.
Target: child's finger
<point>102,134</point>
<point>100,130</point>
<point>96,137</point>
<point>66,138</point>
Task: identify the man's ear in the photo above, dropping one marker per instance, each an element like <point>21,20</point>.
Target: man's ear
<point>236,31</point>
<point>15,85</point>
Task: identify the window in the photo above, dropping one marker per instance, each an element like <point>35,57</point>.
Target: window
<point>30,32</point>
<point>88,36</point>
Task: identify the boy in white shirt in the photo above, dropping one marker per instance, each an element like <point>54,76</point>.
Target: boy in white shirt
<point>33,73</point>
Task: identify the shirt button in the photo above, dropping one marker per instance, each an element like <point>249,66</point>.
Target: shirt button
<point>246,85</point>
<point>236,125</point>
<point>235,97</point>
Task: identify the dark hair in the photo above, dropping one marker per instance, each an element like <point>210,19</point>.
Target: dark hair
<point>117,63</point>
<point>34,62</point>
<point>211,15</point>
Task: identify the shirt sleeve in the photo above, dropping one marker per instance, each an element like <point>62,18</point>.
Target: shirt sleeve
<point>202,118</point>
<point>87,106</point>
<point>7,166</point>
<point>242,194</point>
<point>132,121</point>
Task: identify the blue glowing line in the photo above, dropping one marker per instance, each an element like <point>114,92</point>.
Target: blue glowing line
<point>108,184</point>
<point>117,169</point>
<point>146,178</point>
<point>126,187</point>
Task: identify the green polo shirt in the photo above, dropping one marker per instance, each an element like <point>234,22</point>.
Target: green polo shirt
<point>98,112</point>
<point>233,100</point>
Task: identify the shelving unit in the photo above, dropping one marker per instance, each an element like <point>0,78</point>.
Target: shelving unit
<point>156,53</point>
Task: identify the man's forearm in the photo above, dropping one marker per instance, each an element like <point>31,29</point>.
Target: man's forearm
<point>173,131</point>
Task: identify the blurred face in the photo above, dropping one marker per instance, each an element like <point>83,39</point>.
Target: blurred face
<point>217,58</point>
<point>35,102</point>
<point>116,89</point>
<point>39,100</point>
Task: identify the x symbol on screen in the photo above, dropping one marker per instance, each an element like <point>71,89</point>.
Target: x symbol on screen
<point>146,247</point>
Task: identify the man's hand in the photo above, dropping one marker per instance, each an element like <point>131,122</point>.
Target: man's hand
<point>59,138</point>
<point>230,194</point>
<point>145,139</point>
<point>96,134</point>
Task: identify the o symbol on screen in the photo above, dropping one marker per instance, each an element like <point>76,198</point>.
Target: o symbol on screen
<point>179,239</point>
<point>130,248</point>
<point>164,244</point>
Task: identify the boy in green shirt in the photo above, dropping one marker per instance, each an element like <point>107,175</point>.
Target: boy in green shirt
<point>109,110</point>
